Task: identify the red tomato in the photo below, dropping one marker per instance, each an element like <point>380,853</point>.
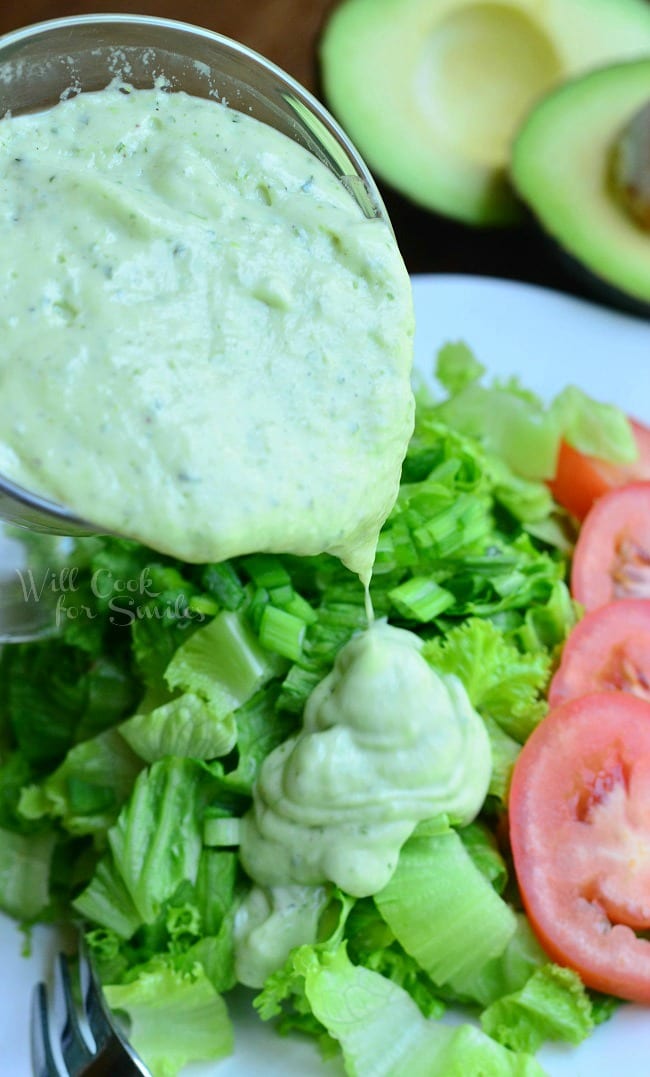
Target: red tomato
<point>580,835</point>
<point>609,649</point>
<point>612,555</point>
<point>580,479</point>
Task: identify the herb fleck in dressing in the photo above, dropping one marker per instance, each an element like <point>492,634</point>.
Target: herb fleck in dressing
<point>205,344</point>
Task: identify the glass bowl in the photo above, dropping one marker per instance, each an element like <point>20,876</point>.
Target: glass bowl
<point>45,62</point>
<point>42,63</point>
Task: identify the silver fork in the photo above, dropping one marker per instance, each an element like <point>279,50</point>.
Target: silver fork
<point>72,1040</point>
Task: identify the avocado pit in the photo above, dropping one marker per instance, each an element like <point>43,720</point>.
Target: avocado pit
<point>479,71</point>
<point>631,166</point>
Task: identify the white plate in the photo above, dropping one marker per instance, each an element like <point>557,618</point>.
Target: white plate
<point>549,340</point>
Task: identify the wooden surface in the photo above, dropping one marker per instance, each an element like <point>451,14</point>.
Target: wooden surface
<point>287,31</point>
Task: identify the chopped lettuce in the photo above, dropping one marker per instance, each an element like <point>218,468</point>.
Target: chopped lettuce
<point>223,662</point>
<point>106,901</point>
<point>505,750</point>
<point>25,862</point>
<point>261,725</point>
<point>481,844</point>
<point>174,1016</point>
<point>517,427</point>
<point>157,840</point>
<point>381,1031</point>
<point>371,943</point>
<point>552,1005</point>
<point>187,725</point>
<point>594,428</point>
<point>443,909</point>
<point>88,789</point>
<point>57,695</point>
<point>503,683</point>
<point>509,971</point>
<point>130,744</point>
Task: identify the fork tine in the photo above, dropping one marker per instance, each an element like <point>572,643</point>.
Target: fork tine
<point>74,1049</point>
<point>43,1061</point>
<point>93,1003</point>
<point>69,1053</point>
<point>116,1057</point>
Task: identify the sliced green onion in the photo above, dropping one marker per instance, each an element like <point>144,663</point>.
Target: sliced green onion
<point>427,504</point>
<point>384,553</point>
<point>203,604</point>
<point>406,554</point>
<point>282,595</point>
<point>281,632</point>
<point>459,527</point>
<point>418,465</point>
<point>221,832</point>
<point>254,611</point>
<point>299,607</point>
<point>221,581</point>
<point>420,599</point>
<point>297,686</point>
<point>267,571</point>
<point>325,641</point>
<point>343,614</point>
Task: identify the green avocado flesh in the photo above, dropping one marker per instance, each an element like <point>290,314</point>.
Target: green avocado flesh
<point>563,166</point>
<point>432,92</point>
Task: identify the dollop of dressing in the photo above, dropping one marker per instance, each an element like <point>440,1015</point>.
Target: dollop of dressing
<point>386,742</point>
<point>270,923</point>
<point>206,344</point>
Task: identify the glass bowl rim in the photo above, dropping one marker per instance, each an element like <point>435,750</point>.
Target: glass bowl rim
<point>35,510</point>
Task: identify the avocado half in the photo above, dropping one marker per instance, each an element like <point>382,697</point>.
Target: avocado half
<point>566,166</point>
<point>432,91</point>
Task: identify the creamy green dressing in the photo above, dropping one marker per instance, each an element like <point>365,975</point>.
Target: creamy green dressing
<point>206,345</point>
<point>269,923</point>
<point>386,742</point>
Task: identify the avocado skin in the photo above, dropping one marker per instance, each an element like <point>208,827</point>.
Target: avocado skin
<point>591,285</point>
<point>575,205</point>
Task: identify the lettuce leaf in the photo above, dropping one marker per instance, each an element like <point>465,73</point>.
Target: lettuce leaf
<point>515,425</point>
<point>261,725</point>
<point>15,773</point>
<point>25,863</point>
<point>506,973</point>
<point>155,845</point>
<point>502,682</point>
<point>175,1016</point>
<point>106,901</point>
<point>88,789</point>
<point>57,695</point>
<point>223,662</point>
<point>443,909</point>
<point>382,1033</point>
<point>187,725</point>
<point>552,1005</point>
<point>371,943</point>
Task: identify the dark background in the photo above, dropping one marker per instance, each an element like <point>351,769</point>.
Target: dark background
<point>287,31</point>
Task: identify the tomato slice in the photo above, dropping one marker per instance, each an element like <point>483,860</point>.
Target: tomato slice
<point>580,835</point>
<point>611,558</point>
<point>581,479</point>
<point>608,650</point>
